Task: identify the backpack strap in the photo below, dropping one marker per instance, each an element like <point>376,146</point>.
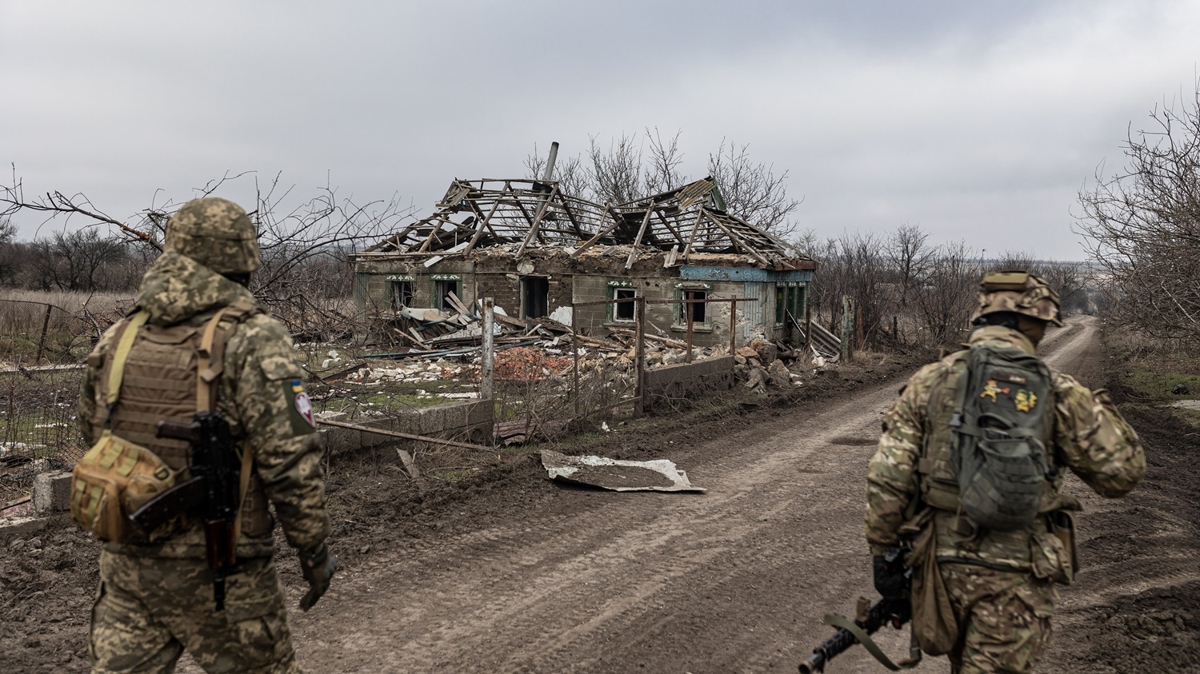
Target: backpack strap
<point>116,371</point>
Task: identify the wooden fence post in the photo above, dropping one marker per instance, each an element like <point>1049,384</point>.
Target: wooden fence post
<point>487,367</point>
<point>639,407</point>
<point>847,327</point>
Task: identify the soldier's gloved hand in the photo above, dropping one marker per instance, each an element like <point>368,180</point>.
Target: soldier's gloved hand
<point>318,566</point>
<point>892,578</point>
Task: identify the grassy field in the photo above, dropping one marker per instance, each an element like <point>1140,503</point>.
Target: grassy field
<point>1153,370</point>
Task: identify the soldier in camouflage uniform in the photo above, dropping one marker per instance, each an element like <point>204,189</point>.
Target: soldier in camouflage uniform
<point>1001,585</point>
<point>156,600</point>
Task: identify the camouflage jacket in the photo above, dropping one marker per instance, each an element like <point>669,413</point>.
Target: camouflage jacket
<point>1089,437</point>
<point>253,393</point>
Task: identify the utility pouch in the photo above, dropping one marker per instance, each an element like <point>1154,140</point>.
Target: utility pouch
<point>934,624</point>
<point>112,480</point>
<point>1061,525</point>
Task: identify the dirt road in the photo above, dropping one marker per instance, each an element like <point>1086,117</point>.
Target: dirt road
<point>512,573</point>
<point>574,580</point>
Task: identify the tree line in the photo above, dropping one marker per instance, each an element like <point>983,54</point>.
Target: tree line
<point>908,291</point>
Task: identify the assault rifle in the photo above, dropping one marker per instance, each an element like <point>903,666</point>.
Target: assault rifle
<point>868,621</point>
<point>211,493</point>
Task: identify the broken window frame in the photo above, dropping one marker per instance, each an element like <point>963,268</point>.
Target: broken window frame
<point>699,323</point>
<point>545,304</point>
<point>790,296</point>
<point>437,297</point>
<point>799,301</point>
<point>396,291</point>
<point>620,308</point>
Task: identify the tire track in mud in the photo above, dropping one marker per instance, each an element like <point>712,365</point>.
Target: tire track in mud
<point>732,580</point>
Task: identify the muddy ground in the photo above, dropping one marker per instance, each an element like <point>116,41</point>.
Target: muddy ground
<point>503,570</point>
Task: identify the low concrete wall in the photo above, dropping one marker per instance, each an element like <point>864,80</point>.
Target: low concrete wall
<point>470,421</point>
<point>690,379</point>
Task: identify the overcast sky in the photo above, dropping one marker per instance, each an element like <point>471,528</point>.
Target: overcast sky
<point>975,120</point>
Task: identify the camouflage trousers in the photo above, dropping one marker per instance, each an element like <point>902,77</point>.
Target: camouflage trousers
<point>149,609</point>
<point>1003,618</point>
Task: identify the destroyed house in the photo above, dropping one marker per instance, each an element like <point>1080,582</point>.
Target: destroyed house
<point>537,250</point>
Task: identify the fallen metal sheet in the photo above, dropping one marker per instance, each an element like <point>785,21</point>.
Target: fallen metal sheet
<point>617,475</point>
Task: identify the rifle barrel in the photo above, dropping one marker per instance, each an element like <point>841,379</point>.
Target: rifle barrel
<point>879,615</point>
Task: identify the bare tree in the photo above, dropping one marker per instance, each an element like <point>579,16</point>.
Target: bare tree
<point>911,258</point>
<point>752,190</point>
<point>292,236</point>
<point>1142,224</point>
<point>637,166</point>
<point>75,260</point>
<point>947,298</point>
<point>9,253</point>
<point>852,265</point>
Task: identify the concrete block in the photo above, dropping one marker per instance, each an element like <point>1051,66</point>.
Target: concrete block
<point>454,416</point>
<point>482,412</point>
<point>407,422</point>
<point>433,420</point>
<point>21,527</point>
<point>51,493</point>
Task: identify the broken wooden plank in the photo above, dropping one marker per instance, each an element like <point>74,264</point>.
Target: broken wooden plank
<point>673,343</point>
<point>633,250</point>
<point>458,304</point>
<point>410,466</point>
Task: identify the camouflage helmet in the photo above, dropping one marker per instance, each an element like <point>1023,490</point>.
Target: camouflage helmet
<point>1019,292</point>
<point>217,233</point>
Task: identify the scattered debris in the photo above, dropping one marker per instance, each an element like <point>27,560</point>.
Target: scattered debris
<point>615,474</point>
<point>1180,390</point>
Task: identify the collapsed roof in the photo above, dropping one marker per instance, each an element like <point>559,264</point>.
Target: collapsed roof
<point>536,213</point>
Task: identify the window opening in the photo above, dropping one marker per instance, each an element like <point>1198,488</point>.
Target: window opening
<point>441,294</point>
<point>402,294</point>
<point>623,311</point>
<point>797,303</point>
<point>780,303</point>
<point>699,309</point>
<point>535,296</point>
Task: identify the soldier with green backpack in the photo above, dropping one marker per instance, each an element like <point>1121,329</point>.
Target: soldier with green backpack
<point>967,479</point>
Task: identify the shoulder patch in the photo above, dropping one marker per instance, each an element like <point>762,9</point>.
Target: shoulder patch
<point>301,412</point>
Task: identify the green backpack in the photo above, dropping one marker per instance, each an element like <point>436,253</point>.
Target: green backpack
<point>1002,418</point>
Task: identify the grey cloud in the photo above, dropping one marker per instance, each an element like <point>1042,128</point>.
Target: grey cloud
<point>978,120</point>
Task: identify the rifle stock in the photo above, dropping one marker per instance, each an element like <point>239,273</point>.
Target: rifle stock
<point>183,498</point>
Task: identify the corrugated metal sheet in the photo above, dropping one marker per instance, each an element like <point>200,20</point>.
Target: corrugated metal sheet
<point>617,475</point>
<point>752,312</point>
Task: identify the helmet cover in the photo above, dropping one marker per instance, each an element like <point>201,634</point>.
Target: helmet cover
<point>1018,292</point>
<point>217,233</point>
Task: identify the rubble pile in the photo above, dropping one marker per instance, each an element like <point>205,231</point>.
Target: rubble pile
<point>527,364</point>
<point>761,364</point>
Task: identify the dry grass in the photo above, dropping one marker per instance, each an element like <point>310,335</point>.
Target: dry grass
<point>73,323</point>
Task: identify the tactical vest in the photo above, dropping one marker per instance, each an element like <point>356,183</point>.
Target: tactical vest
<point>938,478</point>
<point>160,384</point>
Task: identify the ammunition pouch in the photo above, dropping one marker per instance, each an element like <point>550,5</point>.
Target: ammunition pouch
<point>112,480</point>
